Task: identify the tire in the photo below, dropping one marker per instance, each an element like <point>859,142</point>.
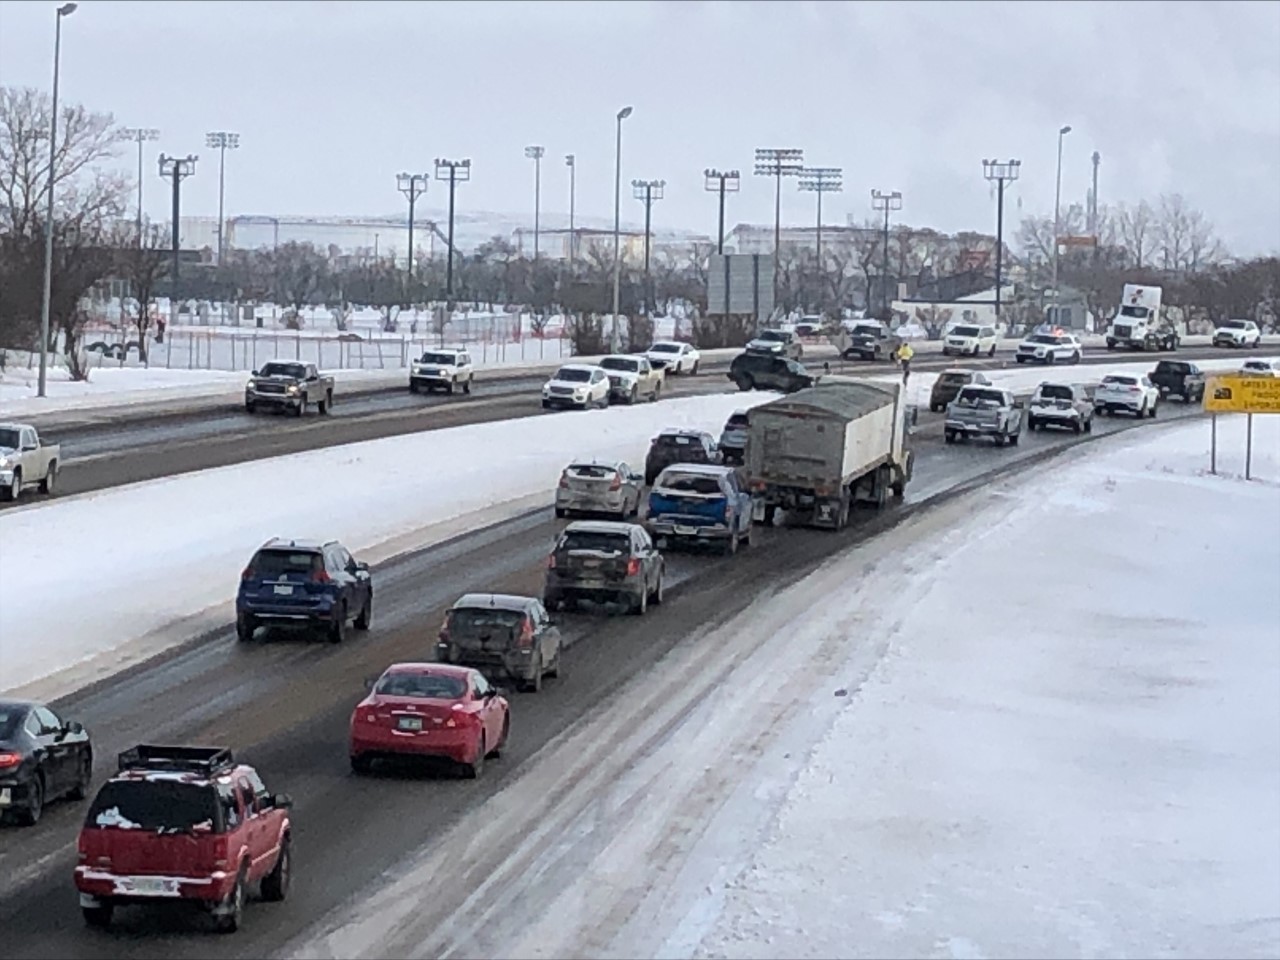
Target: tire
<point>14,490</point>
<point>84,778</point>
<point>301,408</point>
<point>553,671</point>
<point>1257,343</point>
<point>1078,427</point>
<point>1111,344</point>
<point>935,408</point>
<point>1050,359</point>
<point>361,765</point>
<point>1088,425</point>
<point>747,383</point>
<point>338,628</point>
<point>730,546</point>
<point>466,387</point>
<point>560,512</point>
<point>234,919</point>
<point>659,590</point>
<point>413,387</point>
<point>366,615</point>
<point>275,885</point>
<point>632,397</point>
<point>1075,357</point>
<point>473,769</point>
<point>98,917</point>
<point>535,685</point>
<point>949,436</point>
<point>694,371</point>
<point>250,407</point>
<point>657,392</point>
<point>322,407</point>
<point>1014,438</point>
<point>29,816</point>
<point>245,626</point>
<point>50,479</point>
<point>328,403</point>
<point>640,604</point>
<point>449,389</point>
<point>496,752</point>
<point>1154,408</point>
<point>552,601</point>
<point>992,351</point>
<point>1032,423</point>
<point>1021,359</point>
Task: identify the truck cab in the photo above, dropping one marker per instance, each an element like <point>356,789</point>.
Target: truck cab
<point>1139,323</point>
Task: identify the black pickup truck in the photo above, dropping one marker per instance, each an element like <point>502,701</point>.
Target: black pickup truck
<point>288,385</point>
<point>1178,378</point>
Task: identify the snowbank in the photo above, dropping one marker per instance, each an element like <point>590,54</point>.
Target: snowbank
<point>139,558</point>
<point>1038,721</point>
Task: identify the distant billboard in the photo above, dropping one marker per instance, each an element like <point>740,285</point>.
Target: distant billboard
<point>740,284</point>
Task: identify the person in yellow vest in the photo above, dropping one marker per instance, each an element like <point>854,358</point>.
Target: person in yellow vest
<point>904,355</point>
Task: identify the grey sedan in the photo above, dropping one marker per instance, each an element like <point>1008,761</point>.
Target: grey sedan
<point>599,487</point>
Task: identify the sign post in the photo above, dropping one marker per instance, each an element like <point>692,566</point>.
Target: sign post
<point>1239,393</point>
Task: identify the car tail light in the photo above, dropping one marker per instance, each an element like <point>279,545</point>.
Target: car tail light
<point>370,718</point>
<point>633,567</point>
<point>9,759</point>
<point>617,482</point>
<point>526,634</point>
<point>564,480</point>
<point>551,562</point>
<point>444,632</point>
<point>247,573</point>
<point>320,576</point>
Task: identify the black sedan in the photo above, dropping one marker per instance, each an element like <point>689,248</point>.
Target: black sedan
<point>42,757</point>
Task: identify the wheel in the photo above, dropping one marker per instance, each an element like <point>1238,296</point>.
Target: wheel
<point>322,406</point>
<point>473,769</point>
<point>730,546</point>
<point>747,383</point>
<point>546,405</point>
<point>992,351</point>
<point>560,513</point>
<point>632,397</point>
<point>50,478</point>
<point>301,408</point>
<point>466,387</point>
<point>338,628</point>
<point>496,752</point>
<point>366,615</point>
<point>949,436</point>
<point>1075,357</point>
<point>361,765</point>
<point>230,921</point>
<point>328,402</point>
<point>935,408</point>
<point>245,626</point>
<point>250,407</point>
<point>1050,358</point>
<point>1014,438</point>
<point>449,387</point>
<point>1077,426</point>
<point>999,439</point>
<point>640,604</point>
<point>1088,425</point>
<point>553,671</point>
<point>1032,423</point>
<point>657,391</point>
<point>534,685</point>
<point>413,387</point>
<point>84,777</point>
<point>1021,359</point>
<point>1152,412</point>
<point>30,815</point>
<point>658,590</point>
<point>1111,344</point>
<point>14,490</point>
<point>99,917</point>
<point>694,371</point>
<point>1257,343</point>
<point>275,885</point>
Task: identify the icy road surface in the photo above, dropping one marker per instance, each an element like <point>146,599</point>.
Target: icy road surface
<point>1042,721</point>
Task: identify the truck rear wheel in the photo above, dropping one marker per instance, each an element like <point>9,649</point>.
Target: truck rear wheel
<point>50,478</point>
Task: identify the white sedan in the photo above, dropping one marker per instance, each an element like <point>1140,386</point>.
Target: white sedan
<point>1261,368</point>
<point>580,385</point>
<point>1127,393</point>
<point>674,356</point>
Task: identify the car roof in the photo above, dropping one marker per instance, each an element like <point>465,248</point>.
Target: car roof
<point>625,356</point>
<point>445,350</point>
<point>577,366</point>
<point>706,469</point>
<point>439,669</point>
<point>283,543</point>
<point>680,432</point>
<point>952,371</point>
<point>594,462</point>
<point>18,704</point>
<point>600,526</point>
<point>16,426</point>
<point>667,343</point>
<point>1057,383</point>
<point>492,601</point>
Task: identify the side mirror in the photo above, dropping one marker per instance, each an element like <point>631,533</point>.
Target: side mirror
<point>282,801</point>
<point>502,691</point>
<point>253,373</point>
<point>371,682</point>
<point>73,726</point>
<point>362,567</point>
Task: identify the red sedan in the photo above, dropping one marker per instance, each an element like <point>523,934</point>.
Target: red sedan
<point>430,710</point>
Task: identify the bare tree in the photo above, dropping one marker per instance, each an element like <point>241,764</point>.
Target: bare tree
<point>142,261</point>
<point>298,271</point>
<point>1137,226</point>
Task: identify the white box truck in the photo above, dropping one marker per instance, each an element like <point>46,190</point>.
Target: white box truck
<point>816,452</point>
<point>1139,324</point>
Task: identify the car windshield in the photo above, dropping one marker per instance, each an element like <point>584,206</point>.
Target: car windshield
<point>689,483</point>
<point>444,359</point>
<point>424,686</point>
<point>870,329</point>
<point>1055,391</point>
<point>10,722</point>
<point>1168,366</point>
<point>572,375</point>
<point>795,367</point>
<point>774,336</point>
<point>9,438</point>
<point>484,619</point>
<point>295,370</point>
<point>738,421</point>
<point>955,378</point>
<point>674,441</point>
<point>591,471</point>
<point>976,396</point>
<point>964,331</point>
<point>274,563</point>
<point>1137,313</point>
<point>1234,324</point>
<point>595,540</point>
<point>1125,381</point>
<point>620,363</point>
<point>1043,338</point>
<point>665,348</point>
<point>157,805</point>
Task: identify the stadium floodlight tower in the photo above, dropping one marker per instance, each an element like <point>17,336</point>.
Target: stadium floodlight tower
<point>1000,172</point>
<point>721,182</point>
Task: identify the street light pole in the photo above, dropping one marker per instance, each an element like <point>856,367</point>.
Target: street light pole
<point>778,163</point>
<point>648,192</point>
<point>571,164</point>
<point>455,171</point>
<point>617,230</point>
<point>535,154</point>
<point>821,180</point>
<point>1000,172</point>
<point>63,11</point>
<point>1057,201</point>
<point>722,183</point>
<point>141,135</point>
<point>412,185</point>
<point>177,169</point>
<point>885,202</point>
<point>222,142</point>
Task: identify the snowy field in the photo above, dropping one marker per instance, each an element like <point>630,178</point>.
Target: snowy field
<point>1040,721</point>
<point>176,546</point>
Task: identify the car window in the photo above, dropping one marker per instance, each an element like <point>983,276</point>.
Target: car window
<point>975,396</point>
<point>673,441</point>
<point>48,719</point>
<point>679,482</point>
<point>156,805</point>
<point>598,541</point>
<point>274,563</point>
<point>596,376</point>
<point>591,471</point>
<point>297,371</point>
<point>666,348</point>
<point>230,804</point>
<point>643,539</point>
<point>33,726</point>
<point>424,686</point>
<point>955,378</point>
<point>1056,391</point>
<point>479,685</point>
<point>443,359</point>
<point>965,331</point>
<point>11,719</point>
<point>1116,378</point>
<point>621,363</point>
<point>473,620</point>
<point>466,359</point>
<point>572,375</point>
<point>248,801</point>
<point>259,788</point>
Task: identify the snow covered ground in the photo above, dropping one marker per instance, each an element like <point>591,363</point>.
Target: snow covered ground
<point>159,561</point>
<point>1041,720</point>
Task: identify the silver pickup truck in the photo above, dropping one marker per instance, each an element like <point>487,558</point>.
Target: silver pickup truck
<point>984,411</point>
<point>25,461</point>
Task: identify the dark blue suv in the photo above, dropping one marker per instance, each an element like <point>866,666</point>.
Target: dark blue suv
<point>304,583</point>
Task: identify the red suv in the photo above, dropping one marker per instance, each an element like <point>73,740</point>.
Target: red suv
<point>183,823</point>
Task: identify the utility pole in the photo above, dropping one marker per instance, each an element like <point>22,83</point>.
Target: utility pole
<point>222,142</point>
<point>821,180</point>
<point>455,171</point>
<point>412,185</point>
<point>1000,173</point>
<point>722,183</point>
<point>617,230</point>
<point>1093,200</point>
<point>648,192</point>
<point>177,169</point>
<point>573,240</point>
<point>63,11</point>
<point>885,202</point>
<point>1057,221</point>
<point>140,135</point>
<point>778,163</point>
<point>535,154</point>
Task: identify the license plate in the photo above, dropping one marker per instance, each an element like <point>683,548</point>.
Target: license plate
<point>152,885</point>
<point>686,531</point>
<point>284,590</point>
<point>591,564</point>
<point>5,797</point>
<point>409,723</point>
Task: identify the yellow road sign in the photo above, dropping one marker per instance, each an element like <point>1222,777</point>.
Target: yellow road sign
<point>1241,393</point>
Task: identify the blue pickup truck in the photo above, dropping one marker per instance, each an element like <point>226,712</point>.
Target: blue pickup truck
<point>696,503</point>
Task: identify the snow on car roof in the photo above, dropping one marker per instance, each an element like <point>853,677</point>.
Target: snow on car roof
<point>499,601</point>
<point>599,526</point>
<point>578,366</point>
<point>437,669</point>
<point>706,469</point>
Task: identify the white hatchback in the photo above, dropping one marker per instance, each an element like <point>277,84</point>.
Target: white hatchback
<point>970,339</point>
<point>580,385</point>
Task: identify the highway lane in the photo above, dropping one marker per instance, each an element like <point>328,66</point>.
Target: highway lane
<point>284,705</point>
<point>133,451</point>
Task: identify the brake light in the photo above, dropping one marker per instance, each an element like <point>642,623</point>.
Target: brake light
<point>526,634</point>
<point>551,562</point>
<point>633,567</point>
<point>564,481</point>
<point>247,573</point>
<point>321,576</point>
<point>617,482</point>
<point>444,632</point>
<point>9,759</point>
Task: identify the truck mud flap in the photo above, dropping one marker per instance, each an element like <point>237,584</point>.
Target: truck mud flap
<point>757,511</point>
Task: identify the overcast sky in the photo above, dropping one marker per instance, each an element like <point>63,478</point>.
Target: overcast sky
<point>331,99</point>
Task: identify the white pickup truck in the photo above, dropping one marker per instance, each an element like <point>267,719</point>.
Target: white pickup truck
<point>25,461</point>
